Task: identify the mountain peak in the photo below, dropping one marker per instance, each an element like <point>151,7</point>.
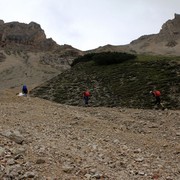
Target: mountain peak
<point>16,35</point>
<point>166,42</point>
<point>177,16</point>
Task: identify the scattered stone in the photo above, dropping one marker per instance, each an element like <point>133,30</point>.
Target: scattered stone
<point>10,161</point>
<point>88,176</point>
<point>137,150</point>
<point>68,169</point>
<point>14,136</point>
<point>29,175</point>
<point>40,161</point>
<point>178,134</point>
<point>140,159</point>
<point>2,151</point>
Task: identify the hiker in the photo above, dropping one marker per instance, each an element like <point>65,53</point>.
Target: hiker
<point>24,90</point>
<point>157,94</point>
<point>86,95</point>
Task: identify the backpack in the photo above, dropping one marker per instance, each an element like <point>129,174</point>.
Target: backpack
<point>87,93</point>
<point>157,93</point>
<point>24,89</point>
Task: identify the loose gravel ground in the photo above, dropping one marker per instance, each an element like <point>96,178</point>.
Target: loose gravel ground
<point>44,140</point>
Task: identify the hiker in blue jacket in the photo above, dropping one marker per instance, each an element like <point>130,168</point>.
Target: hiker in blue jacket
<point>24,90</point>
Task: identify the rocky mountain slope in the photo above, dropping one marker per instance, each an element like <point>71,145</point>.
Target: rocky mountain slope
<point>28,57</point>
<point>43,140</point>
<point>166,42</point>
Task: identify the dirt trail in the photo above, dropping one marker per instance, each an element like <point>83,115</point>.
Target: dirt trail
<point>40,139</point>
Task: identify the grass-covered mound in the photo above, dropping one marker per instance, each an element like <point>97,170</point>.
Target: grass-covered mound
<point>125,84</point>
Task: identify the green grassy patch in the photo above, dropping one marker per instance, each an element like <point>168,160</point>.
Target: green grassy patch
<point>126,84</point>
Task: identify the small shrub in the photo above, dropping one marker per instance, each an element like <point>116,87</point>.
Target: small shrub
<point>104,58</point>
<point>108,58</point>
<point>85,58</point>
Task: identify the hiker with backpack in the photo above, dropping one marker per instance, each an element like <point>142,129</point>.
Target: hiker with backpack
<point>24,90</point>
<point>86,96</point>
<point>157,94</point>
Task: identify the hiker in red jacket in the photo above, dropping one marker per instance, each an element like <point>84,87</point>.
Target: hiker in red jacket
<point>86,95</point>
<point>157,94</point>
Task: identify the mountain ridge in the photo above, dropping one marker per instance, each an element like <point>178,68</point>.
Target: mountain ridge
<point>166,42</point>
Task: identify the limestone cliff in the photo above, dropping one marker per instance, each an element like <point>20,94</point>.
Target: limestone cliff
<point>27,56</point>
<point>16,35</point>
<point>166,42</point>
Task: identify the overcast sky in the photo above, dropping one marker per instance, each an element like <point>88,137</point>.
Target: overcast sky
<point>88,24</point>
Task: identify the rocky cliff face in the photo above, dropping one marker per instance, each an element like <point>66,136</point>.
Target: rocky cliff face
<point>30,37</point>
<point>170,32</point>
<point>166,42</point>
<point>27,56</point>
<point>21,34</point>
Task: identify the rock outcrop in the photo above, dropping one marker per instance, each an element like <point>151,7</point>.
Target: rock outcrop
<point>170,32</point>
<point>31,37</point>
<point>15,33</point>
<point>166,42</point>
<point>27,56</point>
